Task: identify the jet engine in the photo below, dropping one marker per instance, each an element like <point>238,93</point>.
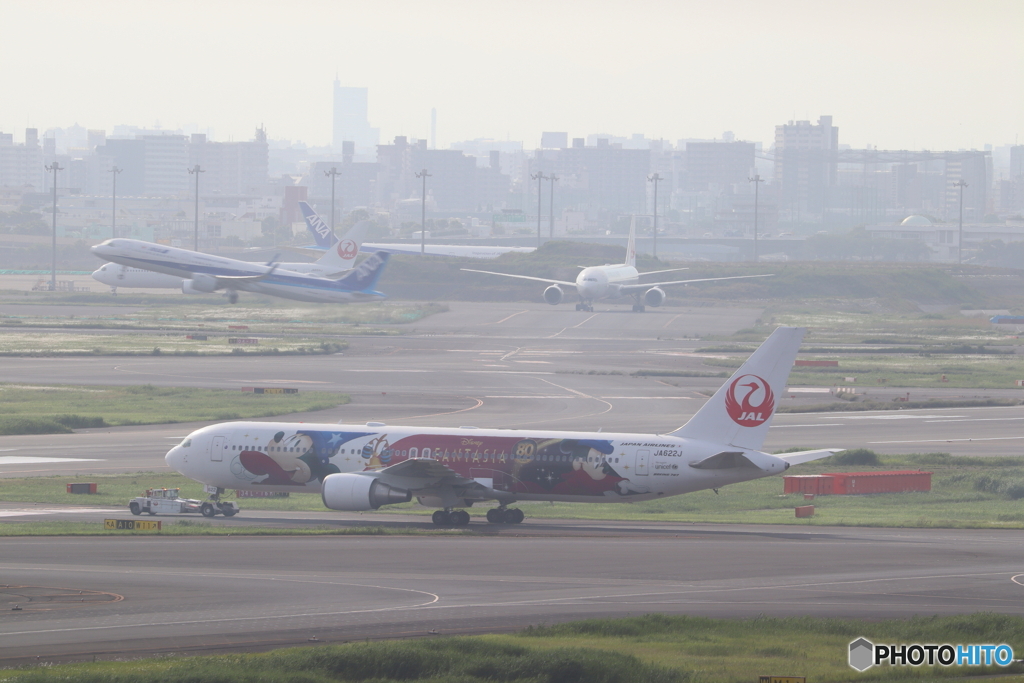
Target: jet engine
<point>200,283</point>
<point>553,295</point>
<point>356,493</point>
<point>654,297</point>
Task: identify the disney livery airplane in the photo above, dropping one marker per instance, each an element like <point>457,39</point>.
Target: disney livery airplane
<point>612,281</point>
<point>363,467</point>
<point>207,273</point>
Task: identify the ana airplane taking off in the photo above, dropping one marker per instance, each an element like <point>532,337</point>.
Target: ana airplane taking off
<point>612,281</point>
<point>325,238</point>
<point>363,467</point>
<point>206,273</point>
<point>331,264</point>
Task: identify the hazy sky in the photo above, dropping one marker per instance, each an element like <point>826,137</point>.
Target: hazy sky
<point>929,74</point>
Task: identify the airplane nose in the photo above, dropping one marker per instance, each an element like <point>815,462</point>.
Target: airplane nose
<point>174,459</point>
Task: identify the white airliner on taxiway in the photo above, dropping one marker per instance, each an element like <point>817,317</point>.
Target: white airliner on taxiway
<point>362,467</point>
<point>612,281</point>
<point>332,263</point>
<point>325,238</point>
<point>204,273</point>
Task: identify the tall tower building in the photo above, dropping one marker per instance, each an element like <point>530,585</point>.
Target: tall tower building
<point>805,165</point>
<point>351,121</point>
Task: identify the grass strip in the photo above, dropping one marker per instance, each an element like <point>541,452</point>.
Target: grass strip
<point>653,648</point>
<point>28,409</point>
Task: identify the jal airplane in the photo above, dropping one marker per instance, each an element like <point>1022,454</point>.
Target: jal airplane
<point>331,264</point>
<point>205,273</point>
<point>364,467</point>
<point>613,281</point>
<point>325,238</point>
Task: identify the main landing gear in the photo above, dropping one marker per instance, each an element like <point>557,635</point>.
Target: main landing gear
<point>505,516</point>
<point>639,308</point>
<point>232,296</point>
<point>451,518</point>
<point>584,306</point>
<point>448,517</point>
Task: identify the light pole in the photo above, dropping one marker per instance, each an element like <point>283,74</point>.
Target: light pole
<point>423,213</point>
<point>114,170</point>
<point>539,177</point>
<point>53,270</point>
<point>655,178</point>
<point>551,207</point>
<point>960,240</point>
<point>333,173</point>
<point>196,171</point>
<point>757,180</point>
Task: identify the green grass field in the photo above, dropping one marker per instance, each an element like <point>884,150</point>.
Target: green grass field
<point>55,409</point>
<point>966,493</point>
<point>648,649</point>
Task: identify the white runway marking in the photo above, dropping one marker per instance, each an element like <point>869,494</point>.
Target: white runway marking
<point>825,424</point>
<point>901,416</point>
<point>28,513</point>
<point>30,460</point>
<point>989,438</point>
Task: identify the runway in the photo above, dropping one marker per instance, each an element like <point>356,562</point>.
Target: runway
<point>189,595</point>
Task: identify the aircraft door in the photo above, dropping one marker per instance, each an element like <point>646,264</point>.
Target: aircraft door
<point>217,449</point>
<point>642,456</point>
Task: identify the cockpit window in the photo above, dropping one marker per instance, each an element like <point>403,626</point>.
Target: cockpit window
<point>186,443</point>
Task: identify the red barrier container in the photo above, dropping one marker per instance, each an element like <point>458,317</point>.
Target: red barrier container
<point>853,483</point>
<point>818,484</point>
<point>805,511</point>
<point>82,488</point>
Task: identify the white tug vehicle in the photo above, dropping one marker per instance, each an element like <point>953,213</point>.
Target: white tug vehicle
<point>167,501</point>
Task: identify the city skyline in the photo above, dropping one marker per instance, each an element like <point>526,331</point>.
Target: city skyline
<point>910,75</point>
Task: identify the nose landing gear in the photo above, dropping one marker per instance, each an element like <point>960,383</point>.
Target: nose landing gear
<point>584,306</point>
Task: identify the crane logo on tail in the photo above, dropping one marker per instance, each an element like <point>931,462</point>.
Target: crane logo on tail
<point>347,249</point>
<point>749,401</point>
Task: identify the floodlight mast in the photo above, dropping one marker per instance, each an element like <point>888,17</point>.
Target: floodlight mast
<point>757,180</point>
<point>655,178</point>
<point>960,239</point>
<point>196,171</point>
<point>539,177</point>
<point>114,170</point>
<point>53,269</point>
<point>423,213</point>
<point>333,173</point>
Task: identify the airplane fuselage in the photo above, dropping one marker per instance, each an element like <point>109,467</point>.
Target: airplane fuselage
<point>461,250</point>
<point>603,282</point>
<point>514,464</point>
<point>194,266</point>
<point>117,275</point>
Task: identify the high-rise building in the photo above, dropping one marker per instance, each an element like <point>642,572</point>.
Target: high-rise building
<point>806,166</point>
<point>231,168</point>
<point>351,119</point>
<point>718,164</point>
<point>22,165</point>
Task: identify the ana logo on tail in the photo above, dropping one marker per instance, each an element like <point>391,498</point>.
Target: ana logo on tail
<point>347,249</point>
<point>743,411</point>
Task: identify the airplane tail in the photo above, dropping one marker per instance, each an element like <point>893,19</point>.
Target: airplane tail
<point>342,256</point>
<point>364,277</point>
<point>631,244</point>
<point>322,233</point>
<point>741,411</point>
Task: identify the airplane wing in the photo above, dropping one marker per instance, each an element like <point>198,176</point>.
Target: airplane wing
<point>524,277</point>
<point>428,476</point>
<point>807,456</point>
<point>232,281</point>
<point>626,289</point>
<point>667,270</point>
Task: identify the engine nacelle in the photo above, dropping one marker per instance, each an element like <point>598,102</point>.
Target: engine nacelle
<point>356,493</point>
<point>553,295</point>
<point>654,297</point>
<point>201,283</point>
